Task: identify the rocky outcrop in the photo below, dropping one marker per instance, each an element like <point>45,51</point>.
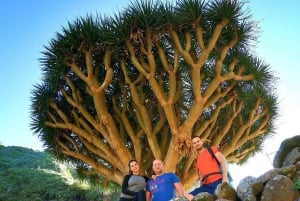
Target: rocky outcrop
<point>274,185</point>
<point>288,152</point>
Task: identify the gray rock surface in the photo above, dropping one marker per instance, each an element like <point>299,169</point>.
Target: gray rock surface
<point>279,188</point>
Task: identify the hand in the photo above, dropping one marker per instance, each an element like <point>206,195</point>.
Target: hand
<point>224,180</point>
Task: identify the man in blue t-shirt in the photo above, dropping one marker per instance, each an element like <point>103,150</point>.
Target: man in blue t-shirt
<point>163,186</point>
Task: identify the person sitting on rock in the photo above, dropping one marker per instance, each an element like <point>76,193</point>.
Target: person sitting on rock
<point>208,168</point>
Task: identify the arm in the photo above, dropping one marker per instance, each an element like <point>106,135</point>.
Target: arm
<point>125,185</point>
<point>198,172</point>
<point>179,189</point>
<point>223,164</point>
<point>148,196</point>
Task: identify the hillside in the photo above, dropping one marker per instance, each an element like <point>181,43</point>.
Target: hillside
<point>28,175</point>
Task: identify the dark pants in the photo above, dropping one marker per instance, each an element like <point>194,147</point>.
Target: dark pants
<point>209,188</point>
<point>125,199</point>
<point>140,196</point>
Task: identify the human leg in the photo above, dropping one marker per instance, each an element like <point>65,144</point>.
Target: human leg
<point>209,188</point>
<point>140,196</point>
<point>193,193</point>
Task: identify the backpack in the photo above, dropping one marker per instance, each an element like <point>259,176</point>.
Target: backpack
<point>209,149</point>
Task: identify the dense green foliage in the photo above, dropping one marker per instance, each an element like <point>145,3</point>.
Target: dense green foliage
<point>296,185</point>
<point>26,175</point>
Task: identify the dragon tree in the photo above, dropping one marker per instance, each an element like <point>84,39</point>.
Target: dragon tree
<point>140,83</point>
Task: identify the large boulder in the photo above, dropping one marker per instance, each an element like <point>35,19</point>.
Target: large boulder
<point>245,190</point>
<point>279,188</point>
<point>226,192</point>
<point>285,148</point>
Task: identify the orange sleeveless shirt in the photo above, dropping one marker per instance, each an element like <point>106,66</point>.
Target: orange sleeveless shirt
<point>207,164</point>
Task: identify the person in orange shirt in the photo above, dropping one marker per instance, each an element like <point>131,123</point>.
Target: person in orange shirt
<point>208,168</point>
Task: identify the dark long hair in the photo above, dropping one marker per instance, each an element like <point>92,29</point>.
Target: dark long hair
<point>133,160</point>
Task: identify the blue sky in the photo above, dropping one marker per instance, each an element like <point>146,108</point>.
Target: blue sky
<point>27,26</point>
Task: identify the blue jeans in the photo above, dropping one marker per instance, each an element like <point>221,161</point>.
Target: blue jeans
<point>209,188</point>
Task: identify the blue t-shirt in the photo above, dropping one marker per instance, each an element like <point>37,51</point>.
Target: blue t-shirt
<point>162,187</point>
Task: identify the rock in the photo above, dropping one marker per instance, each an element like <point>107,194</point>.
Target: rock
<point>204,197</point>
<point>179,199</point>
<point>244,189</point>
<point>257,188</point>
<point>292,157</point>
<point>267,175</point>
<point>289,171</point>
<point>225,191</point>
<point>286,147</point>
<point>279,188</point>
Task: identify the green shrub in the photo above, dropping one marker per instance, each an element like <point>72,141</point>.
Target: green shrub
<point>296,185</point>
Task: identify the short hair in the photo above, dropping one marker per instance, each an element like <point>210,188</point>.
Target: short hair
<point>195,136</point>
<point>156,160</point>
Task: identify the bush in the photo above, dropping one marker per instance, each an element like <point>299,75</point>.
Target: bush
<point>296,185</point>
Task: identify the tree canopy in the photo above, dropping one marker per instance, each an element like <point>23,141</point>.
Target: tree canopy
<point>140,83</point>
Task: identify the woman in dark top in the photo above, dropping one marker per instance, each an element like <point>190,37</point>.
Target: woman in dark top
<point>134,184</point>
